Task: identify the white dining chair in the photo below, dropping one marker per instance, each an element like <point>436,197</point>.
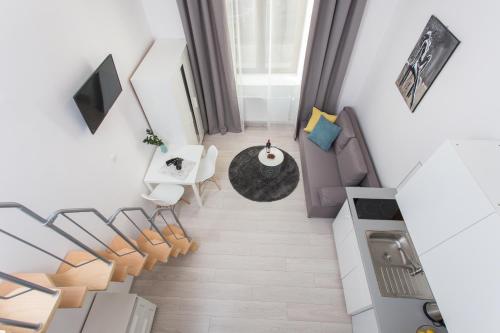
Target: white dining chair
<point>166,195</point>
<point>206,172</point>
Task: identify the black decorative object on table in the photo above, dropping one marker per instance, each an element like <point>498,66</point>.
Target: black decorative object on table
<point>246,177</point>
<point>268,150</point>
<point>177,161</point>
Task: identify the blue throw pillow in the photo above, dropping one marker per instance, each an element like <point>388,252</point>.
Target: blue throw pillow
<point>324,133</point>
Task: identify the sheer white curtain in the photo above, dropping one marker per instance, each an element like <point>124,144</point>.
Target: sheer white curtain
<point>268,40</point>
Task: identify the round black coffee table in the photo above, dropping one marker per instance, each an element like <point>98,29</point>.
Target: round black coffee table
<point>257,181</point>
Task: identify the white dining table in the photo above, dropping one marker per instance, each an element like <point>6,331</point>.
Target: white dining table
<point>155,174</point>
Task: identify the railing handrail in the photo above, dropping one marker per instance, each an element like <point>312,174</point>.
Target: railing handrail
<point>25,283</point>
<point>24,209</point>
<point>21,324</point>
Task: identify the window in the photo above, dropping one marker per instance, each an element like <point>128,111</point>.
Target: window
<point>268,42</point>
<point>268,36</point>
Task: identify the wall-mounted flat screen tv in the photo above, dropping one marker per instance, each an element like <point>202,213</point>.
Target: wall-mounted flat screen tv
<point>97,95</point>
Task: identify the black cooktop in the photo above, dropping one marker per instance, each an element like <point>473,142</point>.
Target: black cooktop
<point>377,209</point>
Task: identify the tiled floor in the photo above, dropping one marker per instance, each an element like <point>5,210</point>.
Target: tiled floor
<point>261,267</point>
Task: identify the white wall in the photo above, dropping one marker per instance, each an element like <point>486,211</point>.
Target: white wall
<point>50,160</point>
<point>462,103</point>
<point>164,19</point>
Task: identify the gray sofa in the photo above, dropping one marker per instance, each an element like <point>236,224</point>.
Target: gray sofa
<point>327,174</point>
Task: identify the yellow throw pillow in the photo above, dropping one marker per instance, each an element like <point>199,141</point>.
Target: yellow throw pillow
<point>316,113</point>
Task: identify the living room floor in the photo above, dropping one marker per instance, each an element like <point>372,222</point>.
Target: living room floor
<point>261,267</point>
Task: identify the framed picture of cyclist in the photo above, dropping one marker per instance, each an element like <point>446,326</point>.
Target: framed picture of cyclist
<point>433,49</point>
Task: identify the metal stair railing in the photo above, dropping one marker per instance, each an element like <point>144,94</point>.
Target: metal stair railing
<point>45,222</point>
<point>150,219</point>
<point>65,213</point>
<point>50,223</point>
<point>110,222</point>
<point>30,287</point>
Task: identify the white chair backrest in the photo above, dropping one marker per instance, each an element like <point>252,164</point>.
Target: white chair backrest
<point>149,197</point>
<point>152,199</point>
<point>211,158</point>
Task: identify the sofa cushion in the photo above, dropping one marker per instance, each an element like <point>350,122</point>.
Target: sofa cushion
<point>314,118</point>
<point>319,169</point>
<point>347,133</point>
<point>352,166</point>
<point>324,133</point>
<point>332,196</point>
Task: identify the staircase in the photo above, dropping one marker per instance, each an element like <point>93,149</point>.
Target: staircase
<point>28,300</point>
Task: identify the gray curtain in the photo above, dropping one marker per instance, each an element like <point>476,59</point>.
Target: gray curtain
<point>205,27</point>
<point>334,25</point>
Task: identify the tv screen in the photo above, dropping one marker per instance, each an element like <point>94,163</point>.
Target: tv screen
<point>98,93</point>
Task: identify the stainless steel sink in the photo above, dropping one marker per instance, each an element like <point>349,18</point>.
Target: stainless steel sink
<point>396,264</point>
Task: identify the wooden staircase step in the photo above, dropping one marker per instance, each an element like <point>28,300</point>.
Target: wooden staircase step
<point>176,237</point>
<point>71,297</point>
<point>194,246</point>
<point>120,274</point>
<point>175,251</point>
<point>119,243</point>
<point>33,306</point>
<point>150,263</point>
<point>127,257</point>
<point>159,250</point>
<point>121,270</point>
<point>95,275</point>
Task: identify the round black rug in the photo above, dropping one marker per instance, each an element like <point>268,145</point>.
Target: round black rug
<point>247,179</point>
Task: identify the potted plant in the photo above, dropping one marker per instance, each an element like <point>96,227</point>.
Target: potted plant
<point>153,139</point>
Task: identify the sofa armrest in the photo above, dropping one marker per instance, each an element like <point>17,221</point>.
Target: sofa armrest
<point>332,196</point>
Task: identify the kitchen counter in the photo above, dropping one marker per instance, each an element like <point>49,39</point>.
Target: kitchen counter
<point>394,315</point>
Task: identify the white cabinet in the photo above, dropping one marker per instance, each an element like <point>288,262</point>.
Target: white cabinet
<point>164,85</point>
<point>342,224</point>
<point>464,275</point>
<point>352,273</point>
<point>365,322</point>
<point>442,199</point>
<point>348,254</point>
<point>451,207</point>
<point>356,291</point>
